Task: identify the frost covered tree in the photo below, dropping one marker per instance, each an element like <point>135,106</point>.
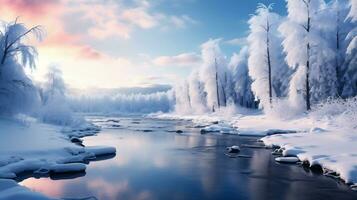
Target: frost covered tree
<point>241,80</point>
<point>54,85</point>
<point>334,28</point>
<point>209,87</point>
<point>17,92</point>
<point>308,52</point>
<point>182,98</point>
<point>197,94</point>
<point>55,108</point>
<point>350,75</point>
<point>266,61</point>
<point>212,73</point>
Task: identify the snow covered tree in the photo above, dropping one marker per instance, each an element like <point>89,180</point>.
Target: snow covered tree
<point>212,74</point>
<point>55,108</point>
<point>266,61</point>
<point>350,75</point>
<point>197,94</point>
<point>17,92</point>
<point>183,98</point>
<point>306,48</point>
<point>334,28</point>
<point>241,81</point>
<point>54,86</point>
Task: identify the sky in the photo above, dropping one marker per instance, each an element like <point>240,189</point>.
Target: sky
<point>130,43</point>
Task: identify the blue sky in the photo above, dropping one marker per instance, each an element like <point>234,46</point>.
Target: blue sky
<point>225,19</point>
<point>124,43</point>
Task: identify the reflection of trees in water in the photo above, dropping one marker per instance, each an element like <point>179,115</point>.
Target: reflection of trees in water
<point>217,173</point>
<point>260,181</point>
<point>270,180</point>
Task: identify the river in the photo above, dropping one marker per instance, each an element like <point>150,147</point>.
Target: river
<point>155,162</point>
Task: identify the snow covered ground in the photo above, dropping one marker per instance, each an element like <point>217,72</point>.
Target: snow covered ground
<point>42,149</point>
<point>323,139</point>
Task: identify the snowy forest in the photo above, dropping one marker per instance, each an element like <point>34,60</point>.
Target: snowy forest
<point>296,61</point>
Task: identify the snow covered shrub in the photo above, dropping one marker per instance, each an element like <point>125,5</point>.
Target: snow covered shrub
<point>340,111</point>
<point>283,109</point>
<point>334,107</point>
<point>17,92</point>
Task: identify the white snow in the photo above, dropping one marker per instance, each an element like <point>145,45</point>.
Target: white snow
<point>335,150</point>
<point>219,128</point>
<point>31,146</point>
<point>287,159</point>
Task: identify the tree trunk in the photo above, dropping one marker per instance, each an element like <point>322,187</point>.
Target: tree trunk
<point>269,64</point>
<point>217,87</point>
<point>188,97</point>
<point>224,91</point>
<point>338,85</point>
<point>308,104</point>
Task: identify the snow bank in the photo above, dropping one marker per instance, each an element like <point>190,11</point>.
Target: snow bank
<point>331,144</point>
<point>244,122</point>
<point>262,125</point>
<point>334,150</point>
<point>42,149</point>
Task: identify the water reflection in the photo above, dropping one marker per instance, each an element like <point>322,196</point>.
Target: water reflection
<point>163,165</point>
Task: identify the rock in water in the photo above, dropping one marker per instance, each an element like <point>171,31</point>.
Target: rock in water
<point>287,159</point>
<point>76,140</point>
<point>233,149</point>
<point>179,131</point>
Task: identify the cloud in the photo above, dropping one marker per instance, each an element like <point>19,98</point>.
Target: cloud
<point>182,21</point>
<point>88,52</point>
<point>140,17</point>
<point>30,8</point>
<point>237,41</point>
<point>184,59</point>
<point>74,34</point>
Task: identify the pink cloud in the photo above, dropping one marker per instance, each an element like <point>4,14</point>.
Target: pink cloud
<point>61,38</point>
<point>89,53</point>
<point>30,8</point>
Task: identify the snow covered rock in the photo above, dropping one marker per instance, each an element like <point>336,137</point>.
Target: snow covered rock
<point>287,159</point>
<point>66,168</point>
<point>219,128</point>
<point>317,130</point>
<point>76,140</point>
<point>100,150</point>
<point>278,131</point>
<point>233,149</point>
